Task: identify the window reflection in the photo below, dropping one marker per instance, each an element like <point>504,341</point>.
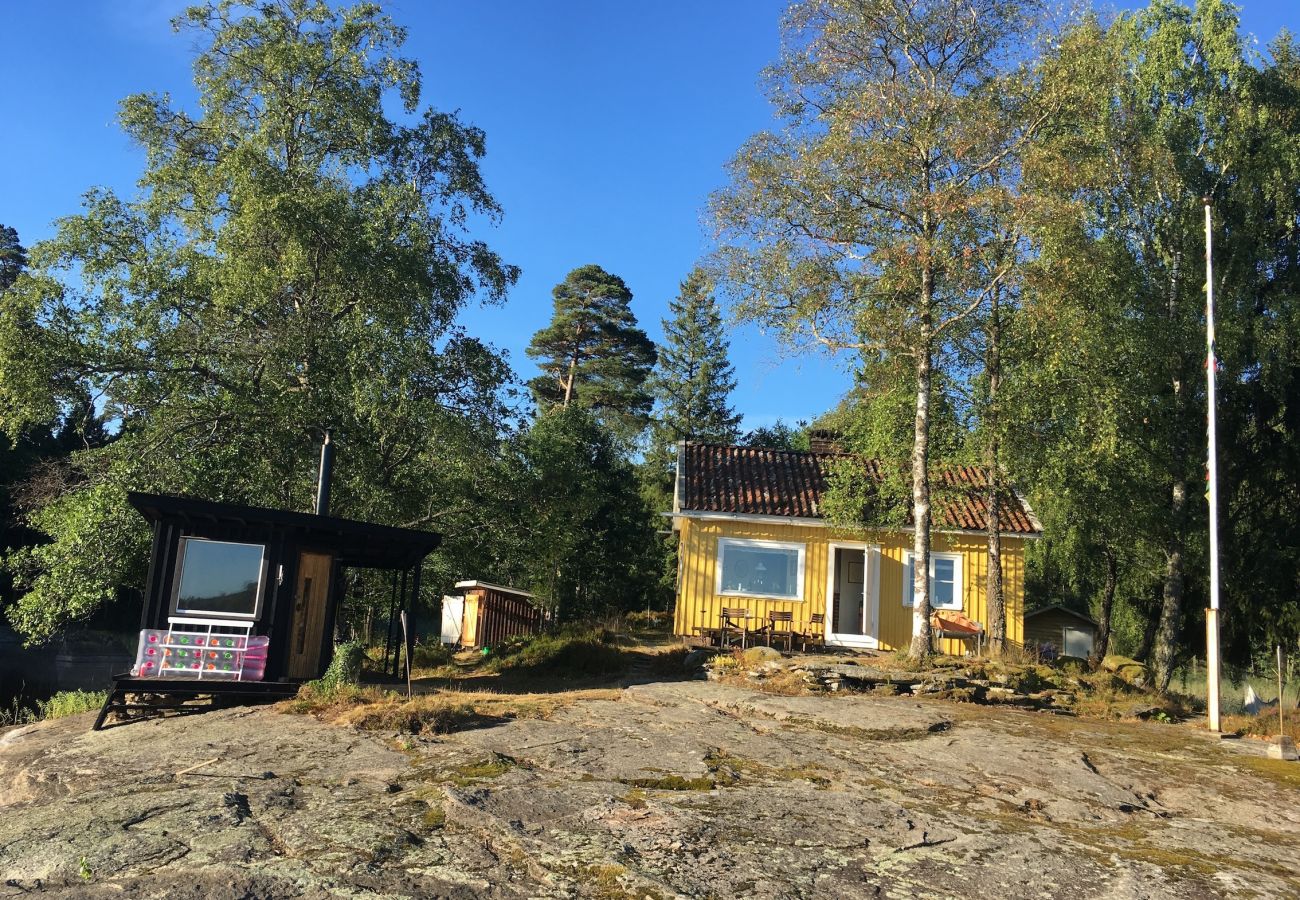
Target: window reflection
<point>219,578</point>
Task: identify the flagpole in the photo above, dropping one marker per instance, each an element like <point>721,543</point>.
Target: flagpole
<point>1212,476</point>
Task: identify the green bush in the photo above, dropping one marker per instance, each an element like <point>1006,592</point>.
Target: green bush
<point>649,619</point>
<point>431,656</point>
<point>70,703</point>
<point>572,650</point>
<point>344,670</point>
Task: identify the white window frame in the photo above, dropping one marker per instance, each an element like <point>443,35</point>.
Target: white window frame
<point>724,543</point>
<point>958,581</point>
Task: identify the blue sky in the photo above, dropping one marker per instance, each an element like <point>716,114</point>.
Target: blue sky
<point>608,125</point>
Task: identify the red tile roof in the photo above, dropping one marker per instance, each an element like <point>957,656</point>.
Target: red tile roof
<point>719,478</point>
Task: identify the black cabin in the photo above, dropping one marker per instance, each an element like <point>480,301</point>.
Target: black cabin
<point>266,572</point>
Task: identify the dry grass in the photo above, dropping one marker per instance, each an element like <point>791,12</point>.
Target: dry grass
<point>669,662</point>
<point>370,709</point>
<point>746,668</point>
<point>1105,701</point>
<point>1263,725</point>
<point>648,620</point>
<point>572,651</point>
<point>782,682</point>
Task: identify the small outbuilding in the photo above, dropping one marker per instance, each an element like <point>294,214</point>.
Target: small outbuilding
<point>1070,632</point>
<point>242,600</point>
<point>486,614</point>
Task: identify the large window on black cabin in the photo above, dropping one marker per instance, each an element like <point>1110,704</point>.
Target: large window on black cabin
<point>219,578</point>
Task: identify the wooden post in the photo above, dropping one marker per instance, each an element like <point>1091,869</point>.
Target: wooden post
<point>406,643</point>
<point>1281,725</point>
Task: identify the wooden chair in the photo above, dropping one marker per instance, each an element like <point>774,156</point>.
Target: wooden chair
<point>816,633</point>
<point>772,632</point>
<point>735,621</point>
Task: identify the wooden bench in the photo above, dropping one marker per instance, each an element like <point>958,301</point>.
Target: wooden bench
<point>953,624</point>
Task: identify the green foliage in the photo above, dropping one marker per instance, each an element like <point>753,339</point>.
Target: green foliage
<point>693,378</point>
<point>99,544</point>
<point>345,665</point>
<point>71,703</point>
<point>295,261</point>
<point>431,656</point>
<point>586,541</point>
<point>780,435</point>
<point>576,650</point>
<point>593,354</point>
<point>876,421</point>
<point>649,620</point>
<point>13,257</point>
<point>1164,107</point>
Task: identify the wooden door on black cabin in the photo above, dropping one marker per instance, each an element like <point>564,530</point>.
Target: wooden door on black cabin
<point>310,599</point>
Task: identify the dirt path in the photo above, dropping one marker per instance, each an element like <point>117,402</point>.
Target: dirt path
<point>673,789</point>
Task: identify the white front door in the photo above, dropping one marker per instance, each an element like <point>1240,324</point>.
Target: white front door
<point>853,595</point>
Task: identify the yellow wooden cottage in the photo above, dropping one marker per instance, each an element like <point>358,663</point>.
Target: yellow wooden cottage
<point>751,535</point>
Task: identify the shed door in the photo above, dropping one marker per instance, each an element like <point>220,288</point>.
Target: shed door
<point>1078,642</point>
<point>307,633</point>
<point>453,618</point>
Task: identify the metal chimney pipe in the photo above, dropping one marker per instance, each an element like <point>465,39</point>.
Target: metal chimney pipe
<point>326,473</point>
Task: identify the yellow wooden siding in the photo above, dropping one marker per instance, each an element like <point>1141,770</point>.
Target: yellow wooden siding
<point>699,606</point>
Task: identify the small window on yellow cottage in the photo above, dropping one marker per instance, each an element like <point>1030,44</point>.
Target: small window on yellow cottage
<point>770,569</point>
<point>945,580</point>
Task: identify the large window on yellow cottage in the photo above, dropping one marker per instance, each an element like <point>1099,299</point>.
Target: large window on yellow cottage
<point>945,580</point>
<point>768,569</point>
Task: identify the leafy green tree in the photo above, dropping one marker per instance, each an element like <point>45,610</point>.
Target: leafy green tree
<point>1181,71</point>
<point>780,435</point>
<point>593,354</point>
<point>1166,106</point>
<point>875,220</point>
<point>1169,111</point>
<point>37,454</point>
<point>295,261</point>
<point>588,544</point>
<point>1075,423</point>
<point>694,378</point>
<point>1257,286</point>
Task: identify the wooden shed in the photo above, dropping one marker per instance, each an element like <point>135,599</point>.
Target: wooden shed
<point>486,614</point>
<point>242,600</point>
<point>1071,633</point>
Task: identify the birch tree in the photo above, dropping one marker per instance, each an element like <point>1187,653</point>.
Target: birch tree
<point>1164,115</point>
<point>295,260</point>
<point>860,225</point>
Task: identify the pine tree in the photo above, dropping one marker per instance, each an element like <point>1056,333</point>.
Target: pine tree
<point>694,377</point>
<point>13,258</point>
<point>593,354</point>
